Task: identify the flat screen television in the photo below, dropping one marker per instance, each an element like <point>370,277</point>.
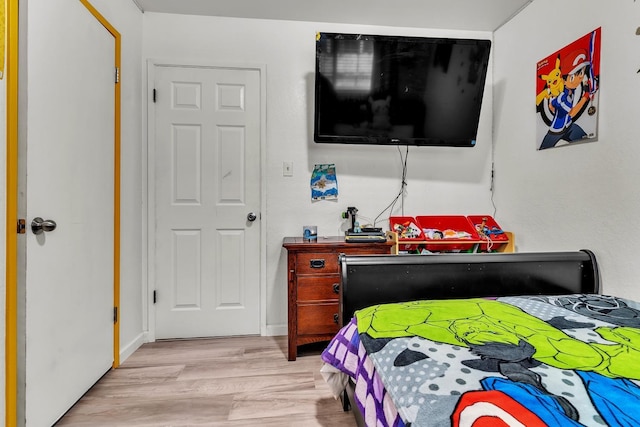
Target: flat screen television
<point>394,90</point>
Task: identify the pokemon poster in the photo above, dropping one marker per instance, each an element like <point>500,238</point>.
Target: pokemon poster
<point>567,89</point>
<point>324,184</point>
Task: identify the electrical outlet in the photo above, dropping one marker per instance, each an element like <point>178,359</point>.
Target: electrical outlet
<point>287,168</point>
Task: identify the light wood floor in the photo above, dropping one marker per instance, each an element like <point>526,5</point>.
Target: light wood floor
<point>227,382</point>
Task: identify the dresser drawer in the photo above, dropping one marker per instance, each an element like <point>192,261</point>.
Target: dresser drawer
<point>312,271</point>
<point>317,263</point>
<point>318,318</point>
<point>317,288</point>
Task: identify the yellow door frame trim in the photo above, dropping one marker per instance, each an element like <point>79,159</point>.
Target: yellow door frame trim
<point>116,183</point>
<point>11,240</point>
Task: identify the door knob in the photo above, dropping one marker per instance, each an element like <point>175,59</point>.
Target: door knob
<point>39,225</point>
<point>251,217</point>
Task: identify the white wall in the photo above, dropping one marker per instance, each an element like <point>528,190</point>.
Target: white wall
<point>583,196</point>
<point>440,180</point>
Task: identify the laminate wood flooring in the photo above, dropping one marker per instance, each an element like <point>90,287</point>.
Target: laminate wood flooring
<point>227,382</point>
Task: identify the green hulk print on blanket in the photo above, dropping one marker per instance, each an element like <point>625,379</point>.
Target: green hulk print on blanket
<point>480,321</point>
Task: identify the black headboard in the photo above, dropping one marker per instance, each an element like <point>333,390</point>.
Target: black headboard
<point>375,279</point>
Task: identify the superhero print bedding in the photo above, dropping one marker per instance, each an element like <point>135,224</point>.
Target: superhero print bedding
<point>540,360</point>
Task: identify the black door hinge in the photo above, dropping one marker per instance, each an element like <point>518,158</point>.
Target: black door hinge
<point>115,314</point>
<point>154,96</point>
<point>155,296</point>
<point>22,225</point>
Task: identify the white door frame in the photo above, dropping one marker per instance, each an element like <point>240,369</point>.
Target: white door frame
<point>148,189</point>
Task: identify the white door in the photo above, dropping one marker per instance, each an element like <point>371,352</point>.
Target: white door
<point>69,283</point>
<point>207,199</point>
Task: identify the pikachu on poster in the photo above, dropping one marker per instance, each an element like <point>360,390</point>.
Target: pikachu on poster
<point>567,89</point>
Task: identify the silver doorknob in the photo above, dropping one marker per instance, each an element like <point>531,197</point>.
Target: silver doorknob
<point>39,225</point>
<point>251,217</point>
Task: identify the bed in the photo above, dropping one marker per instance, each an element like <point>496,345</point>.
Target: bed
<point>519,339</point>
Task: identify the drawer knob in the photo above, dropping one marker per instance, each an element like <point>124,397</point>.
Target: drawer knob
<point>336,288</point>
<point>336,318</point>
<point>316,263</point>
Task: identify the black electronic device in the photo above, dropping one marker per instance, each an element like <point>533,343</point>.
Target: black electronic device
<point>355,234</point>
<point>365,237</point>
<point>364,233</point>
<point>394,90</point>
<point>371,229</point>
<point>351,213</point>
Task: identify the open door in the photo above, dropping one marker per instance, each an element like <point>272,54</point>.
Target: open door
<point>68,259</point>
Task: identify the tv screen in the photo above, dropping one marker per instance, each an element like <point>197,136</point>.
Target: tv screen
<point>373,89</point>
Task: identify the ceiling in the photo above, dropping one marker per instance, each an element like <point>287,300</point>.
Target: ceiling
<point>477,15</point>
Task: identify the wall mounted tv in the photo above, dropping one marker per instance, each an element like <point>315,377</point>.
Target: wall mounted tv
<point>391,90</point>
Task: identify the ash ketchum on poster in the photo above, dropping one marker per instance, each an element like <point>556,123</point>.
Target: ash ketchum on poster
<point>567,93</point>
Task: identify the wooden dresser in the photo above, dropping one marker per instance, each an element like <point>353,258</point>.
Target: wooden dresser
<point>313,286</point>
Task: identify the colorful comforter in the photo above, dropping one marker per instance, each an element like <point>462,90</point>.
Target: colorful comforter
<point>570,360</point>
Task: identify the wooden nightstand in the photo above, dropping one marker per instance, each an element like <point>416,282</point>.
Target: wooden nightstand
<point>314,286</point>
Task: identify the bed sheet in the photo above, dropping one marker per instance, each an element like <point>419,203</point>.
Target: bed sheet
<point>346,353</point>
<point>571,360</point>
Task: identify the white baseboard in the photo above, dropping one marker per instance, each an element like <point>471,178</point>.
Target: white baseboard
<point>276,330</point>
<point>128,349</point>
<point>142,338</point>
